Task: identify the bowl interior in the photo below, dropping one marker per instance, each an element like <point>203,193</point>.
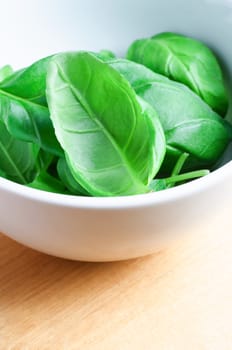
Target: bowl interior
<point>39,28</point>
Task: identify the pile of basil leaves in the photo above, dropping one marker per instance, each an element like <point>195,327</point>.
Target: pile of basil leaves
<point>91,124</point>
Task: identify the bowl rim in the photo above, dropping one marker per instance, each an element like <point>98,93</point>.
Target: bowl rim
<point>174,194</point>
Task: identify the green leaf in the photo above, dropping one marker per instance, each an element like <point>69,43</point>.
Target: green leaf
<point>190,125</point>
<point>28,83</point>
<point>68,180</point>
<point>23,107</point>
<point>136,73</point>
<point>47,182</point>
<point>185,60</point>
<point>107,133</point>
<point>18,159</point>
<point>5,72</point>
<point>28,121</point>
<point>106,54</point>
<point>45,160</point>
<point>157,185</point>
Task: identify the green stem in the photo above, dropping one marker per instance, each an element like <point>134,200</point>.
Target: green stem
<point>178,167</point>
<point>179,164</point>
<point>187,176</point>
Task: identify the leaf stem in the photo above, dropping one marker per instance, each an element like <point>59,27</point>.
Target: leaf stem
<point>187,176</point>
<point>179,164</point>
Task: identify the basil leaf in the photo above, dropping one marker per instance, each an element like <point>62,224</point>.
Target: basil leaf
<point>46,182</point>
<point>45,160</point>
<point>190,125</point>
<point>29,83</point>
<point>157,185</point>
<point>107,133</point>
<point>18,159</point>
<point>29,122</point>
<point>67,178</point>
<point>105,54</point>
<point>137,74</point>
<point>185,60</point>
<point>5,71</point>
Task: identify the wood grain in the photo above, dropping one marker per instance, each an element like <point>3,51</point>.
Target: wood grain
<point>180,298</point>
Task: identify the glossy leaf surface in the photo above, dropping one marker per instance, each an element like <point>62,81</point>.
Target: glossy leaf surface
<point>45,182</point>
<point>190,125</point>
<point>68,179</point>
<point>108,134</point>
<point>29,83</point>
<point>29,122</point>
<point>5,72</point>
<point>185,60</point>
<point>18,159</point>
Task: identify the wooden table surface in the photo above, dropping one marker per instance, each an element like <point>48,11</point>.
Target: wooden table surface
<point>180,298</point>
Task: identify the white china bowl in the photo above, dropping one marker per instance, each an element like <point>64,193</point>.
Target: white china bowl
<point>106,229</point>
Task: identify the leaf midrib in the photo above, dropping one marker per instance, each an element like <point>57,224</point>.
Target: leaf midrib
<point>81,100</point>
<point>33,104</point>
<point>12,163</point>
<point>188,72</point>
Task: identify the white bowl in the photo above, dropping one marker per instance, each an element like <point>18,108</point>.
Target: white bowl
<point>104,229</point>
